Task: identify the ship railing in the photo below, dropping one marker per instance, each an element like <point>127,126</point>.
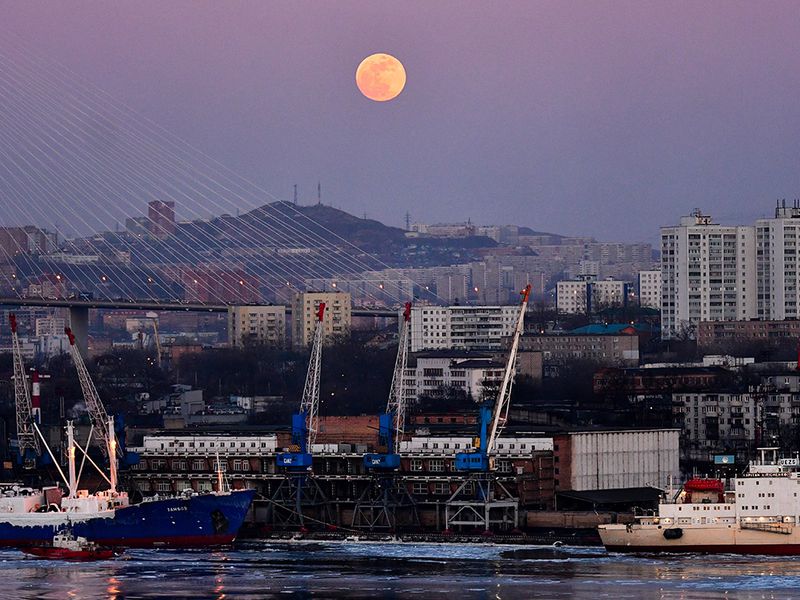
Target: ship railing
<point>768,527</point>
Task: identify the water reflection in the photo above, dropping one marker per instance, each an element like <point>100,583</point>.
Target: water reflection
<point>352,570</point>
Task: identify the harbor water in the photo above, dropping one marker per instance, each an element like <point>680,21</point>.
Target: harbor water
<point>399,570</point>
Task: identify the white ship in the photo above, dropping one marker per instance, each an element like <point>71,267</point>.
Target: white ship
<point>761,515</point>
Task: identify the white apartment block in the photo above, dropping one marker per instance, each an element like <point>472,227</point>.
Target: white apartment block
<point>440,370</point>
<point>584,296</point>
<point>606,293</point>
<point>572,297</point>
<point>650,289</point>
<point>461,327</point>
<point>50,326</point>
<point>777,244</point>
<point>708,274</point>
<point>336,321</point>
<point>257,324</point>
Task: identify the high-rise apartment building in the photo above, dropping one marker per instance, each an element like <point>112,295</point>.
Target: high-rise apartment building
<point>708,274</point>
<point>336,322</point>
<point>777,244</point>
<point>257,325</point>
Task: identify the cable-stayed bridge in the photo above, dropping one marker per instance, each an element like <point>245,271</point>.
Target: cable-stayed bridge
<point>101,207</point>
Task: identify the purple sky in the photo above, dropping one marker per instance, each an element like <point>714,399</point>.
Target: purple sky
<point>594,118</point>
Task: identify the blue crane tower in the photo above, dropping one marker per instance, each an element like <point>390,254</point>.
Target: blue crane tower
<point>385,494</point>
<point>479,499</point>
<point>299,490</point>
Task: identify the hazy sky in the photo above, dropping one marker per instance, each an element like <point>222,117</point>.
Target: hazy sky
<point>596,118</point>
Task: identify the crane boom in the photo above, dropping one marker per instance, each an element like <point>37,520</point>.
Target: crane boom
<point>26,436</point>
<point>309,404</point>
<point>305,423</point>
<point>492,420</point>
<point>396,405</point>
<point>391,424</point>
<point>503,402</point>
<point>157,341</point>
<point>97,412</point>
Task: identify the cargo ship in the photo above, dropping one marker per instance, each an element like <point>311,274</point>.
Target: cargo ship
<point>27,518</point>
<point>760,515</point>
<point>30,517</point>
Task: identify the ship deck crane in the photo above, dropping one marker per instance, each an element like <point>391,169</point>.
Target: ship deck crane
<point>482,500</point>
<point>299,491</point>
<point>101,422</point>
<point>27,441</point>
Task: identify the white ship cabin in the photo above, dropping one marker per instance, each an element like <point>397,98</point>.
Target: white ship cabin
<point>19,499</point>
<point>84,502</point>
<point>766,494</point>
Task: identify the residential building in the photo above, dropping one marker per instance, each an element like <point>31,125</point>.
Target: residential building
<point>607,293</point>
<point>708,274</point>
<point>572,297</point>
<point>161,218</point>
<point>257,325</point>
<point>734,422</point>
<point>650,289</point>
<point>26,240</point>
<point>620,348</point>
<point>336,322</point>
<point>461,327</point>
<point>369,290</point>
<point>777,267</point>
<point>432,372</point>
<point>711,333</point>
<point>50,326</point>
<point>587,295</point>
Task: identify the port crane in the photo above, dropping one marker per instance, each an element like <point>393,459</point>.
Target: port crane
<point>477,501</point>
<point>299,490</point>
<point>378,504</point>
<point>392,423</point>
<point>154,341</point>
<point>28,443</point>
<point>104,425</point>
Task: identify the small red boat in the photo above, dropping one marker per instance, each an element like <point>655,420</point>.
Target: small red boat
<point>66,546</point>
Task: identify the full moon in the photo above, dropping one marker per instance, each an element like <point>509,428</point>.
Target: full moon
<point>380,77</point>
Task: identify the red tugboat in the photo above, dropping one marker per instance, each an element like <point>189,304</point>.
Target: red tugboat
<point>66,546</point>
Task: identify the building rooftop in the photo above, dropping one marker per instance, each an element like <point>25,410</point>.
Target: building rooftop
<point>449,353</point>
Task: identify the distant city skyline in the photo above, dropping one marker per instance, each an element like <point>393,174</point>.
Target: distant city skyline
<point>602,119</point>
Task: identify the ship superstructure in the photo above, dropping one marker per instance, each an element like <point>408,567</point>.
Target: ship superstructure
<point>761,515</point>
